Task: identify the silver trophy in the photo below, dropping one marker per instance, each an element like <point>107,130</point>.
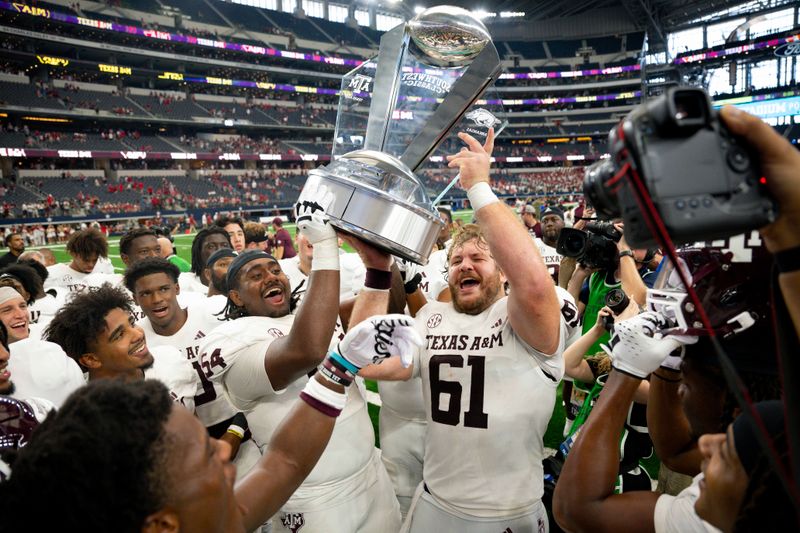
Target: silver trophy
<point>394,111</point>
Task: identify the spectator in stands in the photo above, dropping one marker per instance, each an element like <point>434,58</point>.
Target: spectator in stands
<point>235,228</point>
<point>16,245</point>
<point>255,236</point>
<point>137,244</point>
<point>284,248</point>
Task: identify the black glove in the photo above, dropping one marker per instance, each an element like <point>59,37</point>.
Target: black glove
<point>412,285</point>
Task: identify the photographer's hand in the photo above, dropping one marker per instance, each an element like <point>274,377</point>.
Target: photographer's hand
<point>780,164</point>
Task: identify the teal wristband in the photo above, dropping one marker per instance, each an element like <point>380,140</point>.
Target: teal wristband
<point>344,362</point>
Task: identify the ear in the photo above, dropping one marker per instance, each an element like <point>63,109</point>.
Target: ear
<point>177,288</point>
<point>162,521</point>
<point>206,274</point>
<point>125,259</point>
<point>233,294</point>
<point>90,360</point>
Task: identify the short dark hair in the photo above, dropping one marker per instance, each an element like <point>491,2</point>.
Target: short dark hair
<point>197,247</point>
<point>87,242</point>
<point>11,235</point>
<point>109,441</point>
<point>445,210</point>
<point>224,221</point>
<point>83,318</point>
<point>127,239</point>
<point>146,267</point>
<point>28,277</point>
<point>3,336</point>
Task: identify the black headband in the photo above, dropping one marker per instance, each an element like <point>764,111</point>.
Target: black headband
<point>219,254</point>
<point>241,260</point>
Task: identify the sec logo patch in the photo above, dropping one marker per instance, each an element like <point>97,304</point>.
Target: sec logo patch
<point>434,320</point>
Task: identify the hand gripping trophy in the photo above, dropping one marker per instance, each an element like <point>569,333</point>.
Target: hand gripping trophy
<point>394,111</point>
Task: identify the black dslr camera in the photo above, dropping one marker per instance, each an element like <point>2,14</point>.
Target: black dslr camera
<point>594,248</point>
<point>674,149</point>
<point>617,301</point>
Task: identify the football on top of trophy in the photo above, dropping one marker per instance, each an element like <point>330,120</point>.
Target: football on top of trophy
<point>449,36</point>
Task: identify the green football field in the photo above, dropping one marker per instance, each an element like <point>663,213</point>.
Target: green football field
<point>183,243</point>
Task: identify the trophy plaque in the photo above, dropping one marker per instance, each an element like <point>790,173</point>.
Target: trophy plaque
<point>394,111</point>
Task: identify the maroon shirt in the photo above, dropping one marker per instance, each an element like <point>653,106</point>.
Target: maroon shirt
<point>282,238</point>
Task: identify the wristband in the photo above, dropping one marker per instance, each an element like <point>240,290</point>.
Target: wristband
<point>335,372</point>
<point>626,253</point>
<point>343,363</point>
<point>480,195</point>
<point>788,260</point>
<point>378,279</point>
<point>323,399</point>
<point>236,430</point>
<point>325,255</point>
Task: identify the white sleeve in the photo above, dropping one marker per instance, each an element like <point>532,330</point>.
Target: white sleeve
<point>676,514</point>
<point>238,366</point>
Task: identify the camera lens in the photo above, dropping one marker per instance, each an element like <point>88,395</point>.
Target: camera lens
<point>574,244</point>
<point>598,194</point>
<point>617,300</point>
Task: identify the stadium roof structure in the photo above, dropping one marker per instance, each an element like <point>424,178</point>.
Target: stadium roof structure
<point>586,18</point>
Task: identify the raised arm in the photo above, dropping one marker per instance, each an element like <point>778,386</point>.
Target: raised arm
<point>290,357</point>
<point>584,499</point>
<point>533,306</point>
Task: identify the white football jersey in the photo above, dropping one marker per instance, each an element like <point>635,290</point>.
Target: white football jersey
<point>234,353</point>
<point>42,312</point>
<point>191,283</point>
<point>434,275</point>
<point>103,266</point>
<point>551,258</point>
<point>61,276</point>
<point>351,275</point>
<point>210,403</point>
<point>171,369</point>
<point>488,398</point>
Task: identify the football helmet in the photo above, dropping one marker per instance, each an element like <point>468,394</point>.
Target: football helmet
<point>18,419</point>
<point>731,278</point>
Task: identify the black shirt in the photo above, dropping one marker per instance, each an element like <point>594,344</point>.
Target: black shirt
<point>8,259</point>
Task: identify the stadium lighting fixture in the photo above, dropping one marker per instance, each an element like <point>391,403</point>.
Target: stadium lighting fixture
<point>482,14</point>
<point>418,9</point>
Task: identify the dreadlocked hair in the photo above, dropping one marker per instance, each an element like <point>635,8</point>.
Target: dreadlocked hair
<point>81,320</point>
<point>197,247</point>
<point>104,460</point>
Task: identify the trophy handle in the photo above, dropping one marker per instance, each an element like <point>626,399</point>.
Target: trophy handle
<point>384,92</point>
<point>482,71</point>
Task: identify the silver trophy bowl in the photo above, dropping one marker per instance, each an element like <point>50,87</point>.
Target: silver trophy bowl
<point>449,36</point>
<point>379,199</point>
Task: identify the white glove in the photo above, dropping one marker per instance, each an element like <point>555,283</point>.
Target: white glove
<point>380,337</point>
<point>637,347</point>
<point>310,210</point>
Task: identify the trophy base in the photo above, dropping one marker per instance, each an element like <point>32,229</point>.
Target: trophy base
<point>401,228</point>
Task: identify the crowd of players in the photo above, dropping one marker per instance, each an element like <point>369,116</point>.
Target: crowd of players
<point>267,353</point>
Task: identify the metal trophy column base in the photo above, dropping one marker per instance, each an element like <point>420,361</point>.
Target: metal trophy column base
<point>375,198</point>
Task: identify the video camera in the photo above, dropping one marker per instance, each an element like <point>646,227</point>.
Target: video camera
<point>704,184</point>
<point>594,248</point>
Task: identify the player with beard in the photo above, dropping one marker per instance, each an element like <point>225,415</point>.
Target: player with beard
<point>262,357</point>
<point>97,330</point>
<point>206,242</point>
<point>552,224</point>
<point>489,369</point>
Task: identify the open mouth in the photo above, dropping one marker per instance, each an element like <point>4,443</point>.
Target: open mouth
<point>19,327</point>
<point>160,312</point>
<point>468,283</point>
<point>274,295</point>
<point>139,349</point>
